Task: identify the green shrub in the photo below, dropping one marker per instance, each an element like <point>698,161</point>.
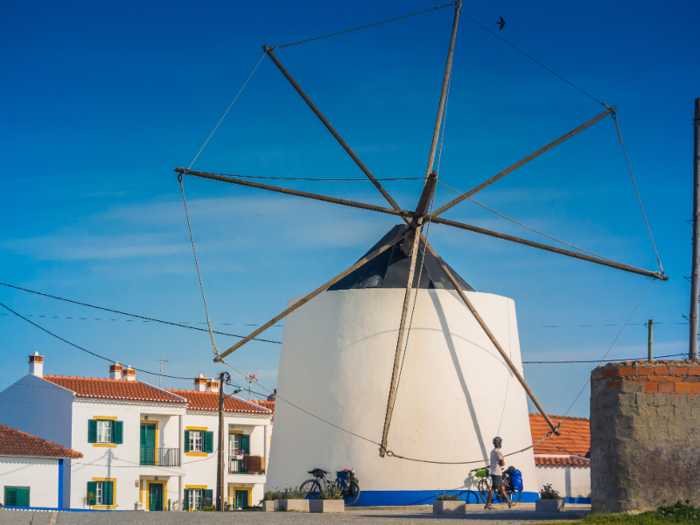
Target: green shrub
<point>549,493</point>
<point>446,495</point>
<point>291,493</point>
<point>272,495</point>
<point>208,508</point>
<point>331,491</point>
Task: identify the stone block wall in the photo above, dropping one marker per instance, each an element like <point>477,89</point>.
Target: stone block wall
<point>645,435</point>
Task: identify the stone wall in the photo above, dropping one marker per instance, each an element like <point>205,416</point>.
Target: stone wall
<point>645,435</point>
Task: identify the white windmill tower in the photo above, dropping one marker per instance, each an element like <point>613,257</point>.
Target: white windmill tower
<point>339,403</point>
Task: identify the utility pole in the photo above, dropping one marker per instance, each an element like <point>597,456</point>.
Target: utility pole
<point>223,377</point>
<point>695,275</point>
<point>161,369</point>
<point>651,340</point>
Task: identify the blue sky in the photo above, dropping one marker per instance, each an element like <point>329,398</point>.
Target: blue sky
<point>103,100</point>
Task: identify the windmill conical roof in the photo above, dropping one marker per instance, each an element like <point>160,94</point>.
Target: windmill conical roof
<point>390,269</point>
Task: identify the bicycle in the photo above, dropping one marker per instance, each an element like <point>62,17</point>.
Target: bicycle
<point>345,479</point>
<point>484,485</point>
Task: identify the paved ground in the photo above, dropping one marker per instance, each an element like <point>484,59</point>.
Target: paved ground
<point>524,514</point>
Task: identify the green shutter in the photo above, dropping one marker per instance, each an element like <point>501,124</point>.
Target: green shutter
<point>23,496</point>
<point>208,497</point>
<point>187,441</point>
<point>209,442</point>
<point>108,492</point>
<point>10,496</point>
<point>186,499</point>
<point>118,434</point>
<point>245,444</point>
<point>92,489</point>
<point>92,431</point>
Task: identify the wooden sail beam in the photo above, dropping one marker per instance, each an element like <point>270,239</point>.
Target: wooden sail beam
<point>490,335</point>
<point>313,294</point>
<point>560,251</point>
<point>400,343</point>
<point>344,202</point>
<point>443,92</point>
<point>330,128</point>
<point>521,163</point>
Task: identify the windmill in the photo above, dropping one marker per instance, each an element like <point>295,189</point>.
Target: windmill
<point>413,242</point>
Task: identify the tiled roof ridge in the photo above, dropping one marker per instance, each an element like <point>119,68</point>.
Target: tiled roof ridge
<point>65,382</point>
<point>254,408</point>
<point>54,449</point>
<point>571,461</point>
<point>553,417</point>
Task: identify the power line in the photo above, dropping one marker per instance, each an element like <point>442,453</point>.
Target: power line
<point>598,360</point>
<point>151,319</point>
<point>46,316</point>
<point>363,27</point>
<point>316,179</point>
<point>86,350</point>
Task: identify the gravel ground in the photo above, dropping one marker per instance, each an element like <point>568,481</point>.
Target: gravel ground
<point>524,514</point>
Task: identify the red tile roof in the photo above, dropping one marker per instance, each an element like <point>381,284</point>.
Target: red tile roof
<point>14,442</point>
<point>113,389</point>
<point>197,400</point>
<point>270,405</point>
<point>575,438</point>
<point>561,462</point>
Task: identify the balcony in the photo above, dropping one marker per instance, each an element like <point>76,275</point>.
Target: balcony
<point>160,457</point>
<point>235,466</point>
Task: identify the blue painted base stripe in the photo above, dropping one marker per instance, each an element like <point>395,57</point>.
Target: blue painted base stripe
<point>56,509</point>
<point>389,498</point>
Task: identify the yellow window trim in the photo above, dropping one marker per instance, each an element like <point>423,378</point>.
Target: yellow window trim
<point>114,494</point>
<point>196,454</point>
<point>140,491</point>
<point>105,445</point>
<point>197,428</point>
<point>195,487</point>
<point>203,429</point>
<point>111,418</point>
<point>235,432</point>
<point>165,490</point>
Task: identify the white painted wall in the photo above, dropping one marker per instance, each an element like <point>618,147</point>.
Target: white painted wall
<point>571,482</point>
<point>455,395</point>
<point>40,475</point>
<point>38,407</point>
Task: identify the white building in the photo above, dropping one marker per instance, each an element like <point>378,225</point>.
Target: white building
<point>31,470</point>
<point>143,446</point>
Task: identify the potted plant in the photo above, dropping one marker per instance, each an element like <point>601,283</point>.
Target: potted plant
<point>330,499</point>
<point>238,454</point>
<point>270,500</point>
<point>550,500</point>
<point>89,500</point>
<point>448,502</point>
<point>292,499</point>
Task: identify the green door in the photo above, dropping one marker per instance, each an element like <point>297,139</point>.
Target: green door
<point>148,443</point>
<point>242,499</point>
<point>155,496</point>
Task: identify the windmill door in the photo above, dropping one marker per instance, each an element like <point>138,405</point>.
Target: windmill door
<point>155,496</point>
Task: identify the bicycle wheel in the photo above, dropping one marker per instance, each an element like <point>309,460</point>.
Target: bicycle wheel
<point>515,495</point>
<point>483,487</point>
<point>310,489</point>
<point>352,494</point>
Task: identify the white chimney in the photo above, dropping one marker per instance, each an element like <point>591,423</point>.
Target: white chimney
<point>200,383</point>
<point>116,371</point>
<point>212,385</point>
<point>129,373</point>
<point>36,365</point>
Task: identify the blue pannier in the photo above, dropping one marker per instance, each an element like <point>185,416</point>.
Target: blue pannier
<point>516,479</point>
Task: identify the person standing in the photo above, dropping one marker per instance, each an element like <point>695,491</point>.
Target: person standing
<point>496,471</point>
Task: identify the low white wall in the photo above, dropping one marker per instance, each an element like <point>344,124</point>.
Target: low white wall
<point>40,475</point>
<point>571,482</point>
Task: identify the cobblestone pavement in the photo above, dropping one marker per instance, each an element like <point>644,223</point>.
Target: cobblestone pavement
<point>476,515</point>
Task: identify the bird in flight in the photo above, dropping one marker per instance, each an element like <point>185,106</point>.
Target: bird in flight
<point>501,23</point>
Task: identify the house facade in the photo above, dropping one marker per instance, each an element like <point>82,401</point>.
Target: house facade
<point>143,447</point>
<point>31,470</point>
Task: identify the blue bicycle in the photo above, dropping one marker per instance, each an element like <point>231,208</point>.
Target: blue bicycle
<point>345,480</point>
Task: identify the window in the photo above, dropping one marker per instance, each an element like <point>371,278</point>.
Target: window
<point>16,497</point>
<point>195,499</point>
<point>104,431</point>
<point>196,441</point>
<point>195,502</point>
<point>101,493</point>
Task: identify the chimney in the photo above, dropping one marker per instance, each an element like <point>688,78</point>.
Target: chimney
<point>36,365</point>
<point>116,371</point>
<point>212,385</point>
<point>200,383</point>
<point>129,373</point>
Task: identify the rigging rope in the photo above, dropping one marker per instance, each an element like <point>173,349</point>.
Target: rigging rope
<point>363,27</point>
<point>613,344</point>
<point>227,109</point>
<point>196,263</point>
<point>529,228</point>
<point>531,58</point>
<point>315,179</point>
<point>634,183</point>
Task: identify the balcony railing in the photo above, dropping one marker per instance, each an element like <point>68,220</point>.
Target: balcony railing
<point>161,457</point>
<point>235,466</point>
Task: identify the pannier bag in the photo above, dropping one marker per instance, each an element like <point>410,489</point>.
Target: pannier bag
<point>481,473</point>
<point>516,480</point>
